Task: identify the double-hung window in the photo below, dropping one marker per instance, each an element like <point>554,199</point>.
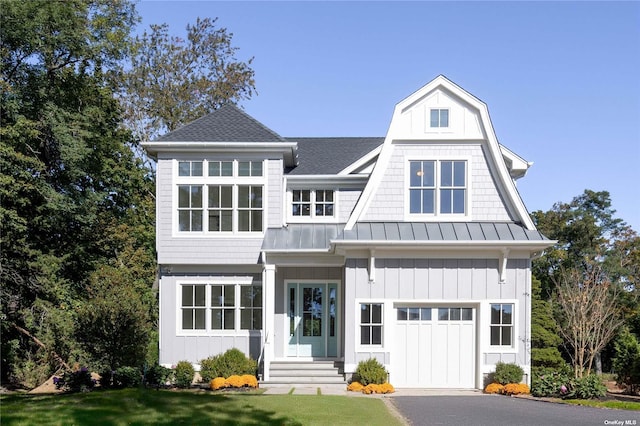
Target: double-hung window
<point>371,323</point>
<point>230,198</point>
<point>438,187</point>
<point>214,307</point>
<point>312,203</point>
<point>502,324</point>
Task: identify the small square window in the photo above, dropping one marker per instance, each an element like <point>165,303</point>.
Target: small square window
<point>439,118</point>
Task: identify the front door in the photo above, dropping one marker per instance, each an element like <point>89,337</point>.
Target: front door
<point>313,319</point>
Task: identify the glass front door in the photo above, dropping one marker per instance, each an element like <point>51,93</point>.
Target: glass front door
<point>313,319</point>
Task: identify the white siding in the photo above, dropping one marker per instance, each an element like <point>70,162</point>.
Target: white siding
<point>174,348</point>
<point>347,199</point>
<point>389,200</point>
<point>474,282</point>
<point>210,249</point>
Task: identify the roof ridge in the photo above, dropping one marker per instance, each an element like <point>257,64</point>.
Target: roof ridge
<point>243,112</point>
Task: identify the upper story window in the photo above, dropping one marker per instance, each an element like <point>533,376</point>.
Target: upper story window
<point>437,187</point>
<point>190,168</point>
<point>312,203</point>
<point>228,199</point>
<point>439,118</point>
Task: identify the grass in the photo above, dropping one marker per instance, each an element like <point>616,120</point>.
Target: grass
<point>619,405</point>
<point>163,407</point>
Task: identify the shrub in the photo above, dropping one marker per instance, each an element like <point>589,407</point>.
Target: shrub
<point>75,381</point>
<point>550,382</point>
<point>127,377</point>
<point>370,372</point>
<point>493,388</point>
<point>232,362</point>
<point>507,373</point>
<point>157,375</point>
<point>626,362</point>
<point>184,374</point>
<point>587,387</point>
<point>515,389</point>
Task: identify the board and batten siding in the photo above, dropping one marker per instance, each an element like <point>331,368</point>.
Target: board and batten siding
<point>429,282</point>
<point>175,347</point>
<point>388,203</point>
<point>210,249</point>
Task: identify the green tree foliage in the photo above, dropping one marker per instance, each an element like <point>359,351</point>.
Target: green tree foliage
<point>626,362</point>
<point>171,81</point>
<point>544,331</point>
<point>71,186</point>
<point>585,229</point>
<point>590,238</point>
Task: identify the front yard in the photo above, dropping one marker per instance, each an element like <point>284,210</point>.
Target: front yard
<point>165,407</point>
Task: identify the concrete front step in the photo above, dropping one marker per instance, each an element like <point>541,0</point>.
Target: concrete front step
<point>306,372</point>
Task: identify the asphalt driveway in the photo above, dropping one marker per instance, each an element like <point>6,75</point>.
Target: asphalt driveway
<point>496,410</point>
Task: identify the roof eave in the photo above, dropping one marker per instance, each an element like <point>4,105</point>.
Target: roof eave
<point>288,149</point>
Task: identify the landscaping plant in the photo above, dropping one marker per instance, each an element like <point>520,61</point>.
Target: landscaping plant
<point>370,372</point>
<point>232,362</point>
<point>184,374</point>
<point>507,373</point>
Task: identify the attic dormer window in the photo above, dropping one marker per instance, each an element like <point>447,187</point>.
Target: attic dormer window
<point>439,117</point>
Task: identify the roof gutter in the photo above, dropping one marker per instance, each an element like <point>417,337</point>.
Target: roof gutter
<point>288,149</point>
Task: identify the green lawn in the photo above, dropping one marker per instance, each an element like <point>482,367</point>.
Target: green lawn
<point>620,405</point>
<point>141,406</point>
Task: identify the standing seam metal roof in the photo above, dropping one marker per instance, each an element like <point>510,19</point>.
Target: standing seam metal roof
<point>319,236</point>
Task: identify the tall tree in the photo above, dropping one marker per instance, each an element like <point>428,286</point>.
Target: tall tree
<point>588,235</point>
<point>589,313</point>
<point>67,172</point>
<point>171,81</point>
<point>586,228</point>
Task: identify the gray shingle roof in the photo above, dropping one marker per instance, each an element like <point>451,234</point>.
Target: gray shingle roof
<point>226,124</point>
<point>319,236</point>
<point>327,156</point>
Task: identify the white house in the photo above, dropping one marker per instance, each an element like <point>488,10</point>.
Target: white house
<point>312,254</point>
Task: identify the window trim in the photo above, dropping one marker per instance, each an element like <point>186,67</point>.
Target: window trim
<point>204,181</point>
<point>360,347</point>
<point>513,348</point>
<point>208,282</point>
<point>436,215</point>
<point>312,218</point>
<point>439,126</point>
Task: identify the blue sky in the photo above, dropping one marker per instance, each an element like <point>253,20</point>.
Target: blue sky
<point>561,79</point>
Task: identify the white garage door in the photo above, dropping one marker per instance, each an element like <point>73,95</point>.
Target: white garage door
<point>434,347</point>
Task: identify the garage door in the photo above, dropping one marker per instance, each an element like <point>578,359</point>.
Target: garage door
<point>435,347</point>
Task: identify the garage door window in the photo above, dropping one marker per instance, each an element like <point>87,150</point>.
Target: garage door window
<point>455,314</point>
<point>501,324</point>
<point>371,323</point>
<point>414,314</point>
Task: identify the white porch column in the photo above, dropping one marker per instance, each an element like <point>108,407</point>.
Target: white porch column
<point>268,312</point>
